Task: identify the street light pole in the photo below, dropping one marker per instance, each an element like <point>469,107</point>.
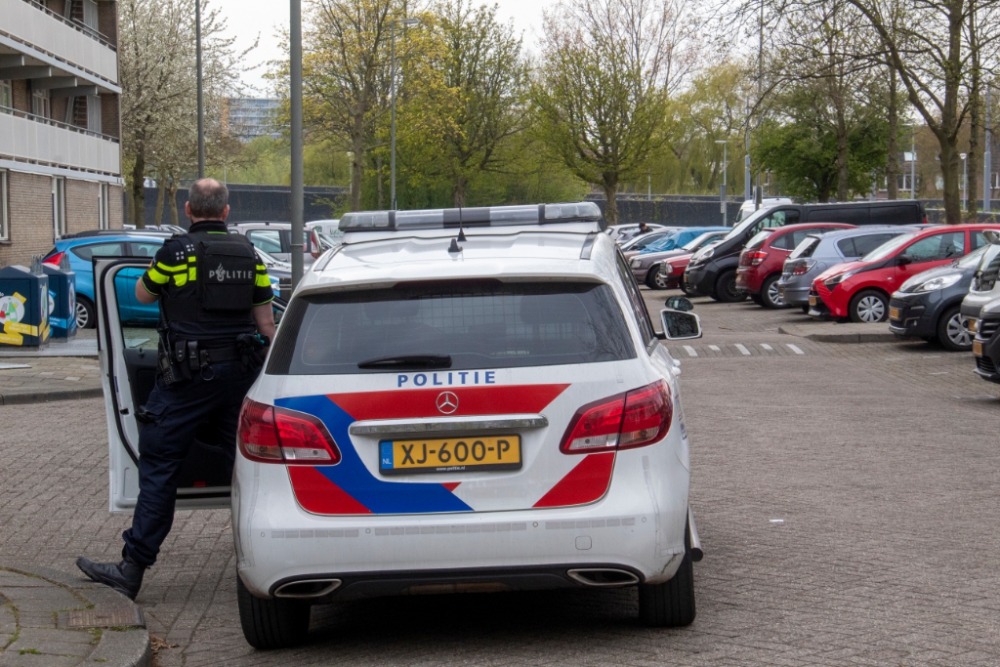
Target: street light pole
<point>987,158</point>
<point>392,89</point>
<point>965,182</point>
<point>746,159</point>
<point>200,94</point>
<point>913,162</point>
<point>295,93</point>
<point>725,182</point>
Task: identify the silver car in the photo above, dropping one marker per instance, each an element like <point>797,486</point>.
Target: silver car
<point>818,252</point>
<point>985,286</point>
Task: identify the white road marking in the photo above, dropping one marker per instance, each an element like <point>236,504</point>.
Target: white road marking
<point>941,373</point>
<point>794,348</point>
<point>743,350</point>
<point>766,347</point>
<point>714,348</point>
<point>691,351</point>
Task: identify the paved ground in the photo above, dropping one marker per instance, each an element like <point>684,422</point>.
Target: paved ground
<point>846,498</point>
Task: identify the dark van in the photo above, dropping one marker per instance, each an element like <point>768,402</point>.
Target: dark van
<point>712,271</point>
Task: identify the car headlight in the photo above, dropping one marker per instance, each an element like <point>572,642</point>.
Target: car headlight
<point>916,284</point>
<point>636,263</point>
<point>837,279</point>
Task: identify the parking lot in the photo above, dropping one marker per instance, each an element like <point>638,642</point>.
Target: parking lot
<point>846,498</point>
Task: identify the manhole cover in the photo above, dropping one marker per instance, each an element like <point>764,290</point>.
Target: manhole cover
<point>104,617</point>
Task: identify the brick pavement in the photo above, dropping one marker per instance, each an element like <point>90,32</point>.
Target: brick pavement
<point>846,498</point>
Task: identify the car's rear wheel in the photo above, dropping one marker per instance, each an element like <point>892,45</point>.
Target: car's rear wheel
<point>756,299</point>
<point>86,317</point>
<point>670,604</point>
<point>655,280</point>
<point>869,306</point>
<point>770,292</point>
<point>953,331</point>
<point>274,623</point>
<point>725,289</point>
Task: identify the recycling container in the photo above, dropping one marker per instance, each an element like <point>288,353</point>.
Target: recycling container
<point>62,301</point>
<point>24,307</point>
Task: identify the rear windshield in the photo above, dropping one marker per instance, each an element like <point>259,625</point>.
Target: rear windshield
<point>478,324</point>
<point>806,248</point>
<point>758,240</point>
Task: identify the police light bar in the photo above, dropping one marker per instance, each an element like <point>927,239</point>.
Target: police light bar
<point>487,216</point>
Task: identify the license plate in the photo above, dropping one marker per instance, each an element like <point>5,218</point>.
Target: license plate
<point>813,301</point>
<point>894,313</point>
<point>481,453</point>
<point>977,348</point>
<point>973,323</point>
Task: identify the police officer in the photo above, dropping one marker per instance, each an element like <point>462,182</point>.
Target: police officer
<point>215,320</point>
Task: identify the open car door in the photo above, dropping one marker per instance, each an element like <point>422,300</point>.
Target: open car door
<point>127,340</point>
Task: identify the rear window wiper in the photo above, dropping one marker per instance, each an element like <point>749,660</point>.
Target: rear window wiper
<point>409,361</point>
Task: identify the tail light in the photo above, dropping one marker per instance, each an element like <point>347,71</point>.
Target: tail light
<point>275,435</point>
<point>55,259</point>
<point>801,267</point>
<point>756,257</point>
<point>636,419</point>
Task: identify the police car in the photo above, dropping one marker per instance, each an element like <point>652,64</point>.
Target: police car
<point>465,400</point>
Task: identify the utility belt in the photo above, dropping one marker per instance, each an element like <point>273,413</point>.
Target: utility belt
<point>181,360</point>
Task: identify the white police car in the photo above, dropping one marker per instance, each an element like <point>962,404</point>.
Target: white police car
<point>446,411</point>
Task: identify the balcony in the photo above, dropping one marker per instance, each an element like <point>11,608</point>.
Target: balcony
<point>26,137</point>
<point>66,41</point>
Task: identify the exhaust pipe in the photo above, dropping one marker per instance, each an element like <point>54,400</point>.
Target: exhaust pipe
<point>696,553</point>
<point>603,577</point>
<point>308,588</point>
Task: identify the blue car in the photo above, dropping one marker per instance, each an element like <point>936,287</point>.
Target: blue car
<point>679,237</point>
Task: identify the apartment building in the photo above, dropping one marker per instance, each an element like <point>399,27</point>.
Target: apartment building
<point>60,156</point>
<point>249,117</point>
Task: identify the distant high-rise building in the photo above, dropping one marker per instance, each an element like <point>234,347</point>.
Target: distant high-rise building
<point>252,117</point>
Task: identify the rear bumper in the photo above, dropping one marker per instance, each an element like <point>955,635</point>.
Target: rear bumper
<point>747,280</point>
<point>794,295</point>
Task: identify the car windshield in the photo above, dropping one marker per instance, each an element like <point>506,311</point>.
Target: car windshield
<point>987,263</point>
<point>699,241</point>
<point>476,324</point>
<point>758,240</point>
<point>806,248</point>
<point>889,247</point>
<point>746,223</point>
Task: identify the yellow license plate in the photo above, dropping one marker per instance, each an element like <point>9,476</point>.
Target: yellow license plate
<point>475,454</point>
<point>813,301</point>
<point>894,313</point>
<point>973,323</point>
<point>977,348</point>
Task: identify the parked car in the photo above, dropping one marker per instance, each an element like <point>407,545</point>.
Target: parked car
<point>674,239</point>
<point>985,285</point>
<point>860,290</point>
<point>274,238</point>
<point>929,305</point>
<point>818,252</point>
<point>750,206</point>
<point>986,345</point>
<point>646,265</point>
<point>637,243</point>
<point>386,418</point>
<point>764,256</point>
<point>622,233</point>
<point>712,271</point>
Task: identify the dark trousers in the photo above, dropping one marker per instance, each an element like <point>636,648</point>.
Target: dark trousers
<point>172,415</point>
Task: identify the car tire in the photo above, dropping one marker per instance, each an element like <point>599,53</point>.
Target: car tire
<point>670,604</point>
<point>686,289</point>
<point>953,331</point>
<point>725,289</point>
<point>805,309</point>
<point>86,314</point>
<point>770,294</point>
<point>271,624</point>
<point>756,299</point>
<point>869,306</point>
<point>653,279</point>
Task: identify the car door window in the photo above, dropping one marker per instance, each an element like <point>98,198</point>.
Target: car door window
<point>144,249</point>
<point>938,247</point>
<point>865,244</point>
<point>777,219</point>
<point>636,301</point>
<point>268,240</point>
<point>904,214</point>
<point>88,252</point>
<point>978,240</point>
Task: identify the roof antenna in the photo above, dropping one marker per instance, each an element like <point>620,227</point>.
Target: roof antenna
<point>454,247</point>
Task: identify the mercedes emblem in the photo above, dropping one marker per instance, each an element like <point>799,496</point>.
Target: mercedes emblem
<point>447,403</point>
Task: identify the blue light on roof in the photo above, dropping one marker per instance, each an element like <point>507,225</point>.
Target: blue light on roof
<point>492,216</point>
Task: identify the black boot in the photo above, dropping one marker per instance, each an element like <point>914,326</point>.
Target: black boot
<point>125,577</point>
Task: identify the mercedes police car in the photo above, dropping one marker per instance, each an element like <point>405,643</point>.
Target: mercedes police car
<point>465,400</point>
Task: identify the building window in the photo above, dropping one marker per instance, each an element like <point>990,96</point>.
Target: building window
<point>94,113</point>
<point>41,103</point>
<point>59,206</point>
<point>103,210</point>
<point>995,180</point>
<point>4,214</point>
<point>6,95</point>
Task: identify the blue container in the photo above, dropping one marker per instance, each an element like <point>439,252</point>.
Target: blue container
<point>62,301</point>
<point>24,307</point>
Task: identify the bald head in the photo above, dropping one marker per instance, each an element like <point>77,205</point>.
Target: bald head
<point>207,200</point>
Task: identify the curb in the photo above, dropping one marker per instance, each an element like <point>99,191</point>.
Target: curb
<point>845,337</point>
<point>47,396</point>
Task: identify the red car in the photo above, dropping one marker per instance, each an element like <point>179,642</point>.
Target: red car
<point>673,270</point>
<point>764,256</point>
<point>860,290</point>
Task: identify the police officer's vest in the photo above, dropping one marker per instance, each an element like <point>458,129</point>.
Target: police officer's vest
<point>217,298</point>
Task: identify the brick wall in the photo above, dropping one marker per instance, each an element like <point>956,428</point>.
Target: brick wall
<point>30,218</point>
<point>59,108</point>
<point>22,95</point>
<point>116,214</point>
<point>58,6</point>
<point>81,206</point>
<point>110,124</point>
<point>107,20</point>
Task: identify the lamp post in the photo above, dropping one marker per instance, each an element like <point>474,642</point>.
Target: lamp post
<point>200,93</point>
<point>722,188</point>
<point>913,162</point>
<point>965,181</point>
<point>746,159</point>
<point>987,158</point>
<point>392,89</point>
<point>297,175</point>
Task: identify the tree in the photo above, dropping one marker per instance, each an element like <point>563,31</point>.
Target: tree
<point>601,93</point>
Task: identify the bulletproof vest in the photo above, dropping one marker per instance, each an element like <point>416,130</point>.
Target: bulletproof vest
<point>217,297</point>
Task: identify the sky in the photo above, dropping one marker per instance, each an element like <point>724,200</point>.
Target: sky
<point>248,19</point>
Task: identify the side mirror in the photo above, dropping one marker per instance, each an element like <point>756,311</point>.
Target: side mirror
<point>903,260</point>
<point>680,303</point>
<point>679,325</point>
<point>993,236</point>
